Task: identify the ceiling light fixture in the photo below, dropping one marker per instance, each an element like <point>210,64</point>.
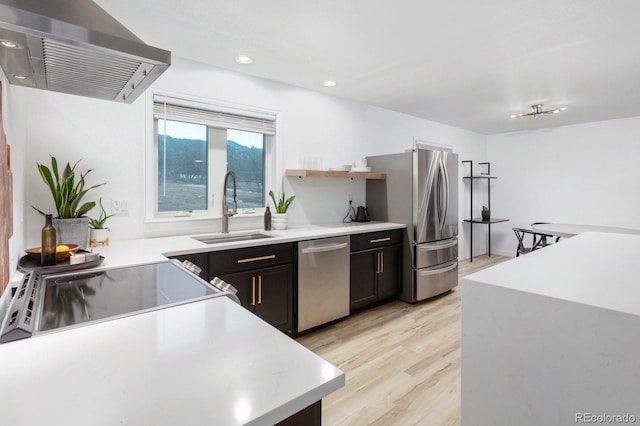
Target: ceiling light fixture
<point>537,110</point>
<point>329,83</point>
<point>20,76</point>
<point>244,60</point>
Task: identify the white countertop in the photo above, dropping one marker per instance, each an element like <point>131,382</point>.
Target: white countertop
<point>149,250</point>
<point>209,362</point>
<point>133,252</point>
<point>597,269</point>
<point>203,363</point>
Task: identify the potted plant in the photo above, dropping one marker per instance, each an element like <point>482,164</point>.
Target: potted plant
<point>279,219</point>
<point>486,214</point>
<point>99,234</point>
<point>68,189</point>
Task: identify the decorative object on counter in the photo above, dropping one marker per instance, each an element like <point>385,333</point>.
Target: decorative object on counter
<point>267,218</point>
<point>30,263</point>
<point>486,213</point>
<point>279,219</point>
<point>48,242</point>
<point>99,234</point>
<point>62,252</point>
<point>75,259</point>
<point>71,223</point>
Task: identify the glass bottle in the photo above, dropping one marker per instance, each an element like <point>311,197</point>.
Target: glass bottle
<point>48,246</point>
<point>267,219</point>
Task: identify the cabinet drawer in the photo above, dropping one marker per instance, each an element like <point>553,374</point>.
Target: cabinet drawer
<point>376,239</point>
<point>244,259</point>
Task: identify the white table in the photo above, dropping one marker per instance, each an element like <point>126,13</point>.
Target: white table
<point>566,230</point>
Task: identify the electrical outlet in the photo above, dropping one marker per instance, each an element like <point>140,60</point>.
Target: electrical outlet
<point>119,207</point>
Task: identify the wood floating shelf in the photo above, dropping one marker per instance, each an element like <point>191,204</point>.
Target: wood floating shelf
<point>334,173</point>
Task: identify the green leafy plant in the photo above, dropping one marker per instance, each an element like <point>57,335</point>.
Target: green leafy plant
<point>485,208</point>
<point>67,189</point>
<point>281,205</point>
<point>101,220</point>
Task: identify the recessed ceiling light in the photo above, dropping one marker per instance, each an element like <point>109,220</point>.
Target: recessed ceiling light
<point>329,83</point>
<point>10,44</point>
<point>244,59</point>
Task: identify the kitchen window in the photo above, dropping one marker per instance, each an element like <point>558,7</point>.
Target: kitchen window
<point>196,143</point>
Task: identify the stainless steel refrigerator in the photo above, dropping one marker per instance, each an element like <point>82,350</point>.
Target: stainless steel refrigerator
<point>421,191</point>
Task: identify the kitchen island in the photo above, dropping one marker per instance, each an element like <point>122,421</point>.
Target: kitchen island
<point>204,363</point>
<point>552,337</point>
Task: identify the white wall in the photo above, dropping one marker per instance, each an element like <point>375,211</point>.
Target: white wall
<point>585,174</point>
<point>111,139</point>
<point>14,121</point>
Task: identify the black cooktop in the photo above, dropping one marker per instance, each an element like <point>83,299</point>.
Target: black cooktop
<point>74,299</point>
<point>50,302</point>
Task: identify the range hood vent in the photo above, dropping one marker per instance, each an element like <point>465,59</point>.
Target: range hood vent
<point>75,47</point>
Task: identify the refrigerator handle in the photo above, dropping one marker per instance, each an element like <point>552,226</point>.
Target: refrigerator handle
<point>445,187</point>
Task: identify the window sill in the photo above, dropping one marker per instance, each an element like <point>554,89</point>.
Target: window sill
<point>191,225</point>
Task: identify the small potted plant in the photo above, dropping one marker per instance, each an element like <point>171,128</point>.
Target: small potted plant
<point>98,233</point>
<point>486,214</point>
<point>67,188</point>
<point>279,218</point>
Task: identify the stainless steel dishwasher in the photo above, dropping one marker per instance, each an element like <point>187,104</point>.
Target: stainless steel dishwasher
<point>323,281</point>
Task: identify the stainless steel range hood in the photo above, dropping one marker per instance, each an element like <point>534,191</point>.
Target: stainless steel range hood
<point>74,46</point>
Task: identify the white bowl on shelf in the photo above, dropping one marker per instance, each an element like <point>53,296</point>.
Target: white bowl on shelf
<point>361,169</point>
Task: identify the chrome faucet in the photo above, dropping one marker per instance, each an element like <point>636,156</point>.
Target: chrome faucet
<point>226,213</point>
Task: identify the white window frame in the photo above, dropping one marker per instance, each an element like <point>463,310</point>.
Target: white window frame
<point>168,223</point>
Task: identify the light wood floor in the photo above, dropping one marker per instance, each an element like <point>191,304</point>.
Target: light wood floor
<point>402,361</point>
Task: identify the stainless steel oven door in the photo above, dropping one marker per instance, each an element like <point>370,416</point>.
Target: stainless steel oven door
<point>431,282</point>
<point>432,254</point>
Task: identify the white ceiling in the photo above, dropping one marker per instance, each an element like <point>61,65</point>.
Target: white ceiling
<point>470,64</point>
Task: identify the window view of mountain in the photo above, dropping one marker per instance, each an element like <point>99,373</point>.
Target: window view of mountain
<point>182,184</point>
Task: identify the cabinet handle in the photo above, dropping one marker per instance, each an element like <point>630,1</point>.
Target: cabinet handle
<point>255,259</point>
<point>381,262</point>
<point>253,291</point>
<point>380,240</point>
<point>377,262</point>
<point>259,289</point>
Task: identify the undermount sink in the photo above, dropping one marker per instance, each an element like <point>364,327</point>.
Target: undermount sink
<point>228,238</point>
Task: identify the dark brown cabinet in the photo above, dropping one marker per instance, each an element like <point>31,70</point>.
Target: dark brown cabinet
<point>268,293</point>
<point>375,268</point>
<point>263,276</point>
